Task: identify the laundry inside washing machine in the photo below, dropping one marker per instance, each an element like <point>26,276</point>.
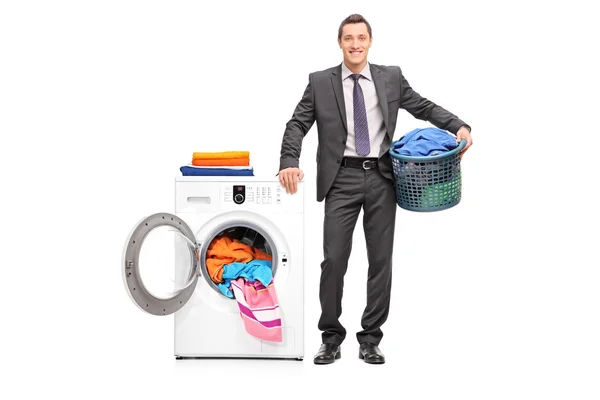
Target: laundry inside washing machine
<point>238,252</point>
<point>239,262</point>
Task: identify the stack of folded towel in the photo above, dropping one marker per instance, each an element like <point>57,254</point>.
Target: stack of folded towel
<point>228,163</point>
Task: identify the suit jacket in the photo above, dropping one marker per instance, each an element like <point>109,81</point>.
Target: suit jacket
<point>323,102</point>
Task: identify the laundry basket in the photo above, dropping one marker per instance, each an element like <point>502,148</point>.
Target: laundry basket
<point>427,183</point>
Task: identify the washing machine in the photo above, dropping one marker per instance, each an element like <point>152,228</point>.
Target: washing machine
<point>207,323</point>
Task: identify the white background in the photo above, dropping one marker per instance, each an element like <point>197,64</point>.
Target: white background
<point>101,102</point>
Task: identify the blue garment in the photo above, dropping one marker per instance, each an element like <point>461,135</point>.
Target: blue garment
<point>195,171</point>
<point>260,270</point>
<point>425,142</point>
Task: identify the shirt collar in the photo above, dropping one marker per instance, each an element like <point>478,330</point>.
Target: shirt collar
<point>366,72</point>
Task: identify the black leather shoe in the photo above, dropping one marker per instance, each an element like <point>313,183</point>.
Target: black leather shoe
<point>370,353</point>
<point>328,353</point>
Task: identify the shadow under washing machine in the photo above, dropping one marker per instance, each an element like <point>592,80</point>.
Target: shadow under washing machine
<point>166,269</point>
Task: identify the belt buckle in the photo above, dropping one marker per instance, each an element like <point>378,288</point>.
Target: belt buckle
<point>365,164</point>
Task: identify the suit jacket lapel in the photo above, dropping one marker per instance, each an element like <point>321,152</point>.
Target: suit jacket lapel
<point>338,90</point>
<point>381,94</point>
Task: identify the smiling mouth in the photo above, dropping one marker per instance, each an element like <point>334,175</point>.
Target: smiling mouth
<point>355,53</point>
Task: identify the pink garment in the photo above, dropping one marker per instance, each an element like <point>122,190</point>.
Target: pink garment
<point>259,309</point>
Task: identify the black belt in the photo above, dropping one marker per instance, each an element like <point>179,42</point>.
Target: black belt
<point>359,162</point>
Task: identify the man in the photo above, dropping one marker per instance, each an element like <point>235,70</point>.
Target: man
<point>355,105</point>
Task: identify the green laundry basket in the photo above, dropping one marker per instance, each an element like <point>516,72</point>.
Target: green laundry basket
<point>427,183</point>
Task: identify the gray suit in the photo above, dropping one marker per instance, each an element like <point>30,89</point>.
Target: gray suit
<point>347,190</point>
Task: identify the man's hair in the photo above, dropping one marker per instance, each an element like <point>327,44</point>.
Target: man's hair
<point>354,19</point>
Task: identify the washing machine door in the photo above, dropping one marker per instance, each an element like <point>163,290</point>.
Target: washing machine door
<point>178,252</point>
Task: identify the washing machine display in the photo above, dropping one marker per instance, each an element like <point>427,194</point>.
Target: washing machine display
<point>239,194</point>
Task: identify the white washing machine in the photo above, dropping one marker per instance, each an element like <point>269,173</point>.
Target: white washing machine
<point>208,324</point>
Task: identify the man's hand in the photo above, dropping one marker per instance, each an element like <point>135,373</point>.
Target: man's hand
<point>289,178</point>
<point>463,133</point>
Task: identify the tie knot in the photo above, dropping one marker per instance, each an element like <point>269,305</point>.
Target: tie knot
<point>356,77</point>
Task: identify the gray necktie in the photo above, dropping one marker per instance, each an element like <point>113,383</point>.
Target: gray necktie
<point>361,128</point>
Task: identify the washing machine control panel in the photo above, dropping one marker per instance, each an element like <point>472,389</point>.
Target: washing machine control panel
<point>255,194</point>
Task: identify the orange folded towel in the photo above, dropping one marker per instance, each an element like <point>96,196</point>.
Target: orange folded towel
<point>220,155</point>
<point>235,162</point>
<point>225,250</point>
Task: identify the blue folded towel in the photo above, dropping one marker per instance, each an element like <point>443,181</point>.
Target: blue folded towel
<point>425,142</point>
<point>195,171</point>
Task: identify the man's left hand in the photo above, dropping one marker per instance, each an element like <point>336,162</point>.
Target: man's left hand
<point>463,133</point>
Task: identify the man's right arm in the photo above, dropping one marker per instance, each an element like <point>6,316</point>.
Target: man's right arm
<point>296,128</point>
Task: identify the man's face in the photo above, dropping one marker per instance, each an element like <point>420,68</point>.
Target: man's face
<point>355,44</point>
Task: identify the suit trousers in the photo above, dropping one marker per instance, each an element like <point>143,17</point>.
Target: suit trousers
<point>353,189</point>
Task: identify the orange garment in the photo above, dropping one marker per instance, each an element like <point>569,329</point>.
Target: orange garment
<point>224,250</point>
<point>222,161</point>
<point>219,155</point>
